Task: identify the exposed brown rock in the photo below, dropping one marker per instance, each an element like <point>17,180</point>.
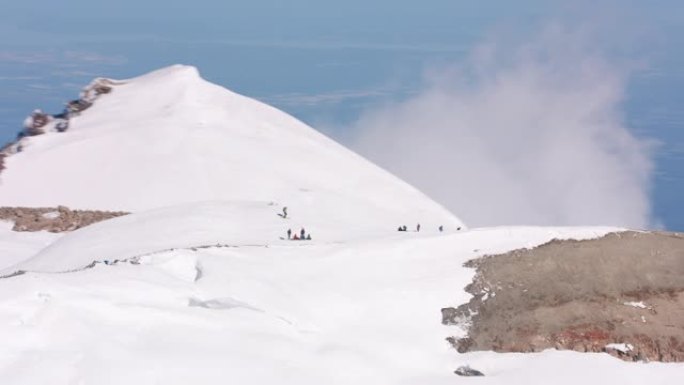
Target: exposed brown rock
<point>55,220</point>
<point>580,295</point>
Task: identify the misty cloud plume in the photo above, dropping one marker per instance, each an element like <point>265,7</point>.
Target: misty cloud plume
<point>530,134</point>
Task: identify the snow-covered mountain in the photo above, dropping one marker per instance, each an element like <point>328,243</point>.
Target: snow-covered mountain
<point>200,283</point>
<point>170,137</point>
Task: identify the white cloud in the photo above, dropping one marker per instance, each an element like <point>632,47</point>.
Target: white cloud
<point>529,133</point>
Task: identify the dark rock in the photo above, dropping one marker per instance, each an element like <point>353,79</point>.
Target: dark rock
<point>467,371</point>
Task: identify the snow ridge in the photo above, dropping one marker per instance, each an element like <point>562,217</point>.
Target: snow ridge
<point>170,137</point>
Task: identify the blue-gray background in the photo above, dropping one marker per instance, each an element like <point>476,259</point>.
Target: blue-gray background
<point>325,62</point>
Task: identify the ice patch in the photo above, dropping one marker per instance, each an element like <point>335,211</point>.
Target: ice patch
<point>51,215</point>
<point>221,303</point>
<point>640,304</point>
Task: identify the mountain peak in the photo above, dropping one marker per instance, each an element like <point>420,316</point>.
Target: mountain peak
<point>172,75</point>
<point>169,137</point>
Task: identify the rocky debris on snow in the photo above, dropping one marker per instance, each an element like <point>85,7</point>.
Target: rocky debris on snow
<point>35,123</point>
<point>467,371</point>
<point>99,86</point>
<point>623,290</point>
<point>78,105</point>
<point>55,220</point>
<point>39,122</point>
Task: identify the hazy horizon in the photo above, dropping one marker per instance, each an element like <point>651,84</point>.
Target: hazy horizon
<point>350,70</point>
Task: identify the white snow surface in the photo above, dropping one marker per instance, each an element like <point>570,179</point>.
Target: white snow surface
<point>227,224</point>
<point>264,310</point>
<point>16,247</point>
<point>200,285</point>
<point>639,305</point>
<point>194,225</point>
<point>170,137</point>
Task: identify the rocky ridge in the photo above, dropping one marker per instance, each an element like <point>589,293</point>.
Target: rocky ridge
<point>39,123</point>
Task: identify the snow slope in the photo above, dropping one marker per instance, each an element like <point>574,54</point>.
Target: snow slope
<point>365,311</point>
<point>199,285</point>
<point>194,225</point>
<point>170,137</point>
<point>17,246</point>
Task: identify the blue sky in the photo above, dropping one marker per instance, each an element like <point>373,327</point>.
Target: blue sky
<point>329,62</point>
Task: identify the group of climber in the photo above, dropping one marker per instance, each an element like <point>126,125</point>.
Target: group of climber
<point>307,237</point>
<point>303,236</point>
<point>440,228</point>
<point>404,228</point>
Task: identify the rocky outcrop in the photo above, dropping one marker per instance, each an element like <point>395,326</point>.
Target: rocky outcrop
<point>55,220</point>
<point>35,123</point>
<point>622,294</point>
<point>467,371</point>
<point>99,86</point>
<point>39,123</point>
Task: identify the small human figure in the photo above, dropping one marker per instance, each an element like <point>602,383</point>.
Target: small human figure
<point>284,212</point>
<point>308,237</point>
<point>418,227</point>
<point>296,238</point>
<point>441,228</point>
<point>458,229</point>
<point>289,233</point>
<point>302,233</point>
<point>400,228</point>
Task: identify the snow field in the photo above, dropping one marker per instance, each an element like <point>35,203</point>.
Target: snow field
<point>336,313</point>
<point>198,284</point>
<point>16,247</point>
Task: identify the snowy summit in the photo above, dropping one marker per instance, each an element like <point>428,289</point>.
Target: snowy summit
<point>170,137</point>
<point>201,282</point>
